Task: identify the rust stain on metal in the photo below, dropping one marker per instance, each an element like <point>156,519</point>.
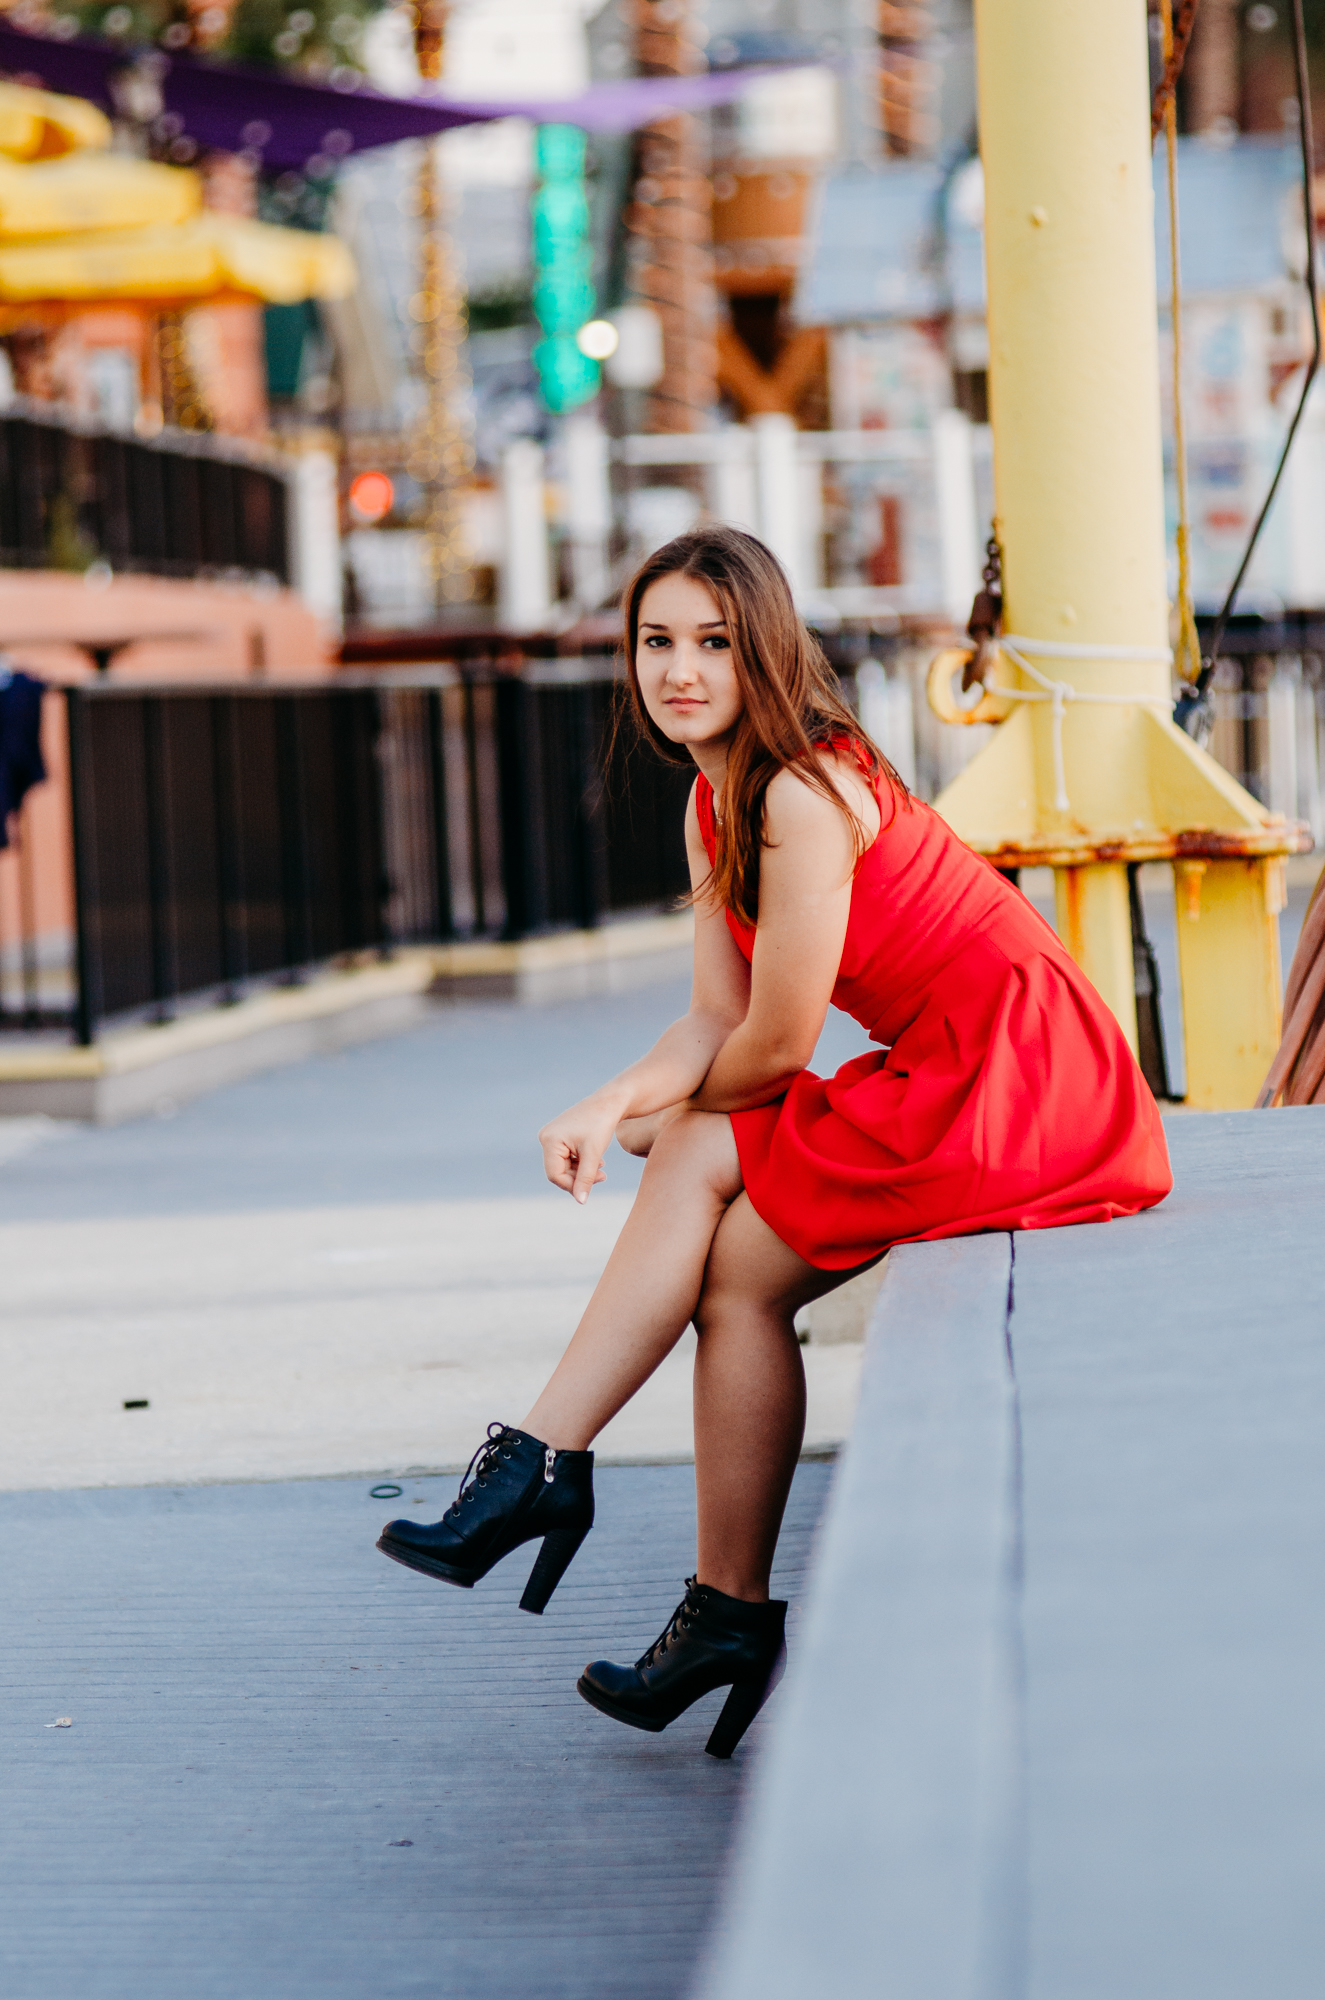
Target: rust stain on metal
<point>1207,843</point>
<point>1072,897</point>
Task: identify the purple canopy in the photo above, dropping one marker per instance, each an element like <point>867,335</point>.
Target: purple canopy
<point>226,109</point>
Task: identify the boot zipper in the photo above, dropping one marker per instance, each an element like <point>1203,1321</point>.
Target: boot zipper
<point>549,1464</point>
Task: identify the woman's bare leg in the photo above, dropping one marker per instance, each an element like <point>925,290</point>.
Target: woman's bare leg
<point>648,1293</point>
<point>693,1248</point>
<point>749,1397</point>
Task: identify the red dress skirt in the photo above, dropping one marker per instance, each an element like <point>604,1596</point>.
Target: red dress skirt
<point>1003,1096</point>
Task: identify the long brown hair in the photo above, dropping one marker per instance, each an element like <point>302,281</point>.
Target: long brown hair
<point>791,706</point>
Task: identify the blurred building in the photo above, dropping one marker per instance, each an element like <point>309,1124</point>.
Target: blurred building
<point>706,220</point>
<point>891,83</point>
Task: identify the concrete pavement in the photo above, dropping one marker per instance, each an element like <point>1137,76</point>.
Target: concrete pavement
<point>348,1266</point>
<point>244,1754</point>
<point>294,1771</point>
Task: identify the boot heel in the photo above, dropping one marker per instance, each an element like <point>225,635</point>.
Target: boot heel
<point>554,1559</point>
<point>738,1712</point>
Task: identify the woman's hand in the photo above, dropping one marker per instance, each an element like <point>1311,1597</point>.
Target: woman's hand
<point>574,1144</point>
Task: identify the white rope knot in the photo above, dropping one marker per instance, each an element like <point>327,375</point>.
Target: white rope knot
<point>1060,693</point>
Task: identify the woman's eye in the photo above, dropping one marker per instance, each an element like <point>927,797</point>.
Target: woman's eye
<point>657,639</point>
<point>718,643</point>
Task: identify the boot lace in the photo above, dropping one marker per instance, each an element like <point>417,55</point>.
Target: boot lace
<point>484,1461</point>
<point>684,1616</point>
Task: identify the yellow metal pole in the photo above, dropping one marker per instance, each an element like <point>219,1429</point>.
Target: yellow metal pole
<point>1101,778</point>
<point>1095,923</point>
<point>1228,944</point>
<point>1074,393</point>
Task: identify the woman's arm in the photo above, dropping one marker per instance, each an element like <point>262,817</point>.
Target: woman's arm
<point>805,877</point>
<point>574,1144</point>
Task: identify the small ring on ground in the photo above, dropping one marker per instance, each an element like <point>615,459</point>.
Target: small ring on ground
<point>386,1492</point>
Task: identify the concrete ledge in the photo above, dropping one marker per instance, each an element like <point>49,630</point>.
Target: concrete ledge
<point>880,1833</point>
<point>568,965</point>
<point>134,1070</point>
<point>1056,1733</point>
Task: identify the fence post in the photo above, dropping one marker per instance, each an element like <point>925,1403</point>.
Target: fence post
<point>589,507</point>
<point>365,746</point>
<point>590,843</point>
<point>1308,758</point>
<point>86,1007</point>
<point>887,713</point>
<point>518,805</point>
<point>294,846</point>
<point>165,984</point>
<point>526,589</point>
<point>731,480</point>
<point>314,534</point>
<point>443,912</point>
<point>228,884</point>
<point>959,530</point>
<point>1281,789</point>
<point>777,478</point>
<point>474,805</point>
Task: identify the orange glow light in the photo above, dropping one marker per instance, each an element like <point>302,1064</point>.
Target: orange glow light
<point>371,496</point>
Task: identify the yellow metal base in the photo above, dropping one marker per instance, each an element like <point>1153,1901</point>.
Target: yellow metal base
<point>1228,959</point>
<point>1088,773</point>
<point>1148,794</point>
<point>1154,795</point>
<point>1094,922</point>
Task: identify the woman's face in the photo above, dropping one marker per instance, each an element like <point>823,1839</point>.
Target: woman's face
<point>687,675</point>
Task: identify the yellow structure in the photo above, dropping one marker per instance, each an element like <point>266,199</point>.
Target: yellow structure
<point>208,257</point>
<point>1087,772</point>
<point>80,225</point>
<point>37,125</point>
<point>93,191</point>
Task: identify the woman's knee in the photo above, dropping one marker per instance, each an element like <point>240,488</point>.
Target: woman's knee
<point>752,1274</point>
<point>699,1143</point>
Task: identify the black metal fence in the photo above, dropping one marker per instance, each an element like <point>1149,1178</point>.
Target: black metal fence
<point>222,836</point>
<point>170,506</point>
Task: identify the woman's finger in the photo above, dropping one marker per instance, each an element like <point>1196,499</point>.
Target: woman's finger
<point>573,1161</point>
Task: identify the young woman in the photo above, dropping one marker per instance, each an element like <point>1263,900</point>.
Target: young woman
<point>1002,1096</point>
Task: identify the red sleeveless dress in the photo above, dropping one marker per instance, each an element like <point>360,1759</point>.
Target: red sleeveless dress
<point>1003,1096</point>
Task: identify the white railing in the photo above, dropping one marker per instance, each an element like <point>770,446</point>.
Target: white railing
<point>816,498</point>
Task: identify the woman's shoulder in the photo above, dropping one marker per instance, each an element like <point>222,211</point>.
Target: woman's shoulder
<point>794,804</point>
<point>789,797</point>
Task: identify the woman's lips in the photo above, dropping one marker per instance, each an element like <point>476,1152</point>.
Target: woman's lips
<point>682,701</point>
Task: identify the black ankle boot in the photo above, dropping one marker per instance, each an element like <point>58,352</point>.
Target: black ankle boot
<point>712,1641</point>
<point>519,1489</point>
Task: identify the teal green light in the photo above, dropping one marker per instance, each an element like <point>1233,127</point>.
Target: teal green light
<point>563,294</point>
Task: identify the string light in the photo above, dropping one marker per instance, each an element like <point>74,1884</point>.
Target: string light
<point>443,452</point>
<point>184,404</point>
